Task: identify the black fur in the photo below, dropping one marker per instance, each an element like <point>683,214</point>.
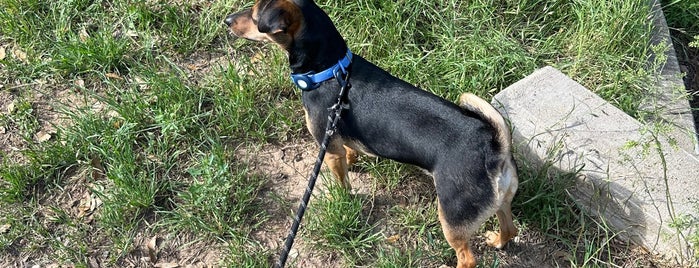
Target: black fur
<point>396,120</point>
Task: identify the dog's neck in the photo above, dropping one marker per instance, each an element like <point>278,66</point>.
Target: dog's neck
<point>318,45</point>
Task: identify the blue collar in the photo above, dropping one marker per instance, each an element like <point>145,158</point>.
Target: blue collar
<point>311,80</point>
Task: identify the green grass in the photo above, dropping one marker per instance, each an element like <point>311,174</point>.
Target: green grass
<point>338,223</point>
<point>156,138</point>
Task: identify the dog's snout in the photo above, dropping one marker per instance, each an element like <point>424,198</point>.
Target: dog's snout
<point>230,19</point>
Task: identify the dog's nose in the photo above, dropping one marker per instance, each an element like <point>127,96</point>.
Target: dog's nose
<point>229,19</point>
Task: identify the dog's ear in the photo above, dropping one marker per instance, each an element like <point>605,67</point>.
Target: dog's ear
<point>274,21</point>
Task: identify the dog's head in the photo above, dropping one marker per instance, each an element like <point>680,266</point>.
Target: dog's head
<point>278,21</point>
<point>299,26</point>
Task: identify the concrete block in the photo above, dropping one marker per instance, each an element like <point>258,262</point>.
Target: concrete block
<point>625,172</point>
<point>669,100</point>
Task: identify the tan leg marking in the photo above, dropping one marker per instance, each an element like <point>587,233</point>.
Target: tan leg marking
<point>336,159</point>
<point>507,226</point>
<point>458,238</point>
<point>351,155</point>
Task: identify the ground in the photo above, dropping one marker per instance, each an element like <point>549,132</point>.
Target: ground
<point>287,166</point>
<point>79,214</point>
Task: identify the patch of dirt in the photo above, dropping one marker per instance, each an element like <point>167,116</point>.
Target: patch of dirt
<point>288,168</point>
<point>10,140</point>
<point>48,100</point>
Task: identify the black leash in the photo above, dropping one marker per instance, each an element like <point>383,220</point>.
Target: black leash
<point>330,128</point>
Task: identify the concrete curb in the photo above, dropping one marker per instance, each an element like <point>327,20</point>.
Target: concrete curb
<point>621,176</point>
<point>670,98</point>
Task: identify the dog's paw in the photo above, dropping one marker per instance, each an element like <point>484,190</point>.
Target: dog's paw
<point>493,239</point>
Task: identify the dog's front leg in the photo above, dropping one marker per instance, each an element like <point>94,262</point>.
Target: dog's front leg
<point>336,159</point>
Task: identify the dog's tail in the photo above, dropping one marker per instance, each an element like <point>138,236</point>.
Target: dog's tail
<point>477,105</point>
<point>507,169</point>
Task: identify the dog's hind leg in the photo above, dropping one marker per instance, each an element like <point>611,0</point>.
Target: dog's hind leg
<point>508,180</point>
<point>458,238</point>
<point>351,155</point>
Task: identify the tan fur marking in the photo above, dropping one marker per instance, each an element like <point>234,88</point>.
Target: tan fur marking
<point>474,103</point>
<point>337,162</point>
<point>351,155</point>
<point>244,27</point>
<point>458,238</point>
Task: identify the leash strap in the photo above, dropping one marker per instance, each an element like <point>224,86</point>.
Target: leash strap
<point>330,128</point>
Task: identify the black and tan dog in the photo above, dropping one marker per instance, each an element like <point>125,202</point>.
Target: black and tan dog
<point>466,148</point>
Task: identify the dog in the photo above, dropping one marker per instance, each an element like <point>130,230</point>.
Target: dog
<point>466,147</point>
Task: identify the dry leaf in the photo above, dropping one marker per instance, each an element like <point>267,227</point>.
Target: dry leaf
<point>153,249</point>
<point>2,53</point>
<point>80,83</point>
<point>42,136</point>
<point>113,75</point>
<point>166,265</point>
<point>92,263</point>
<point>21,55</point>
<point>2,130</point>
<point>131,33</point>
<point>140,82</point>
<point>4,228</point>
<point>256,58</point>
<point>97,168</point>
<point>83,35</point>
<point>11,108</point>
<point>393,238</point>
<point>96,202</point>
<point>85,205</point>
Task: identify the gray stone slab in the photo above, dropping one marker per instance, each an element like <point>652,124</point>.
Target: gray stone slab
<point>620,170</point>
<point>669,100</point>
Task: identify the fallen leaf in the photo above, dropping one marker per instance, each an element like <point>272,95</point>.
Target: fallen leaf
<point>87,205</point>
<point>142,84</point>
<point>113,114</point>
<point>97,168</point>
<point>131,33</point>
<point>2,53</point>
<point>83,35</point>
<point>11,108</point>
<point>42,136</point>
<point>92,263</point>
<point>393,238</point>
<point>96,202</point>
<point>153,248</point>
<point>113,75</point>
<point>4,228</point>
<point>256,58</point>
<point>2,130</point>
<point>21,55</point>
<point>80,83</point>
<point>166,265</point>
